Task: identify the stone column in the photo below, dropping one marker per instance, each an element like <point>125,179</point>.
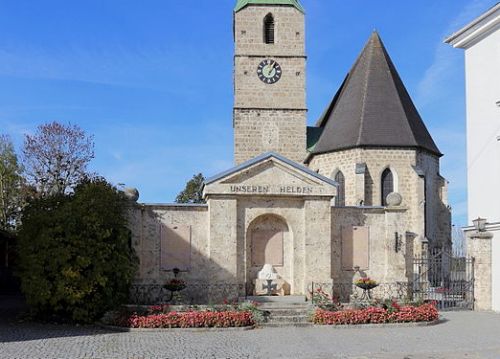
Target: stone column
<point>479,248</point>
<point>223,248</point>
<point>395,260</point>
<point>360,184</point>
<point>318,241</point>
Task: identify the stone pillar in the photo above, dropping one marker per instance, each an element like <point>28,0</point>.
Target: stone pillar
<point>222,247</point>
<point>395,260</point>
<point>318,241</point>
<point>360,184</point>
<point>479,248</point>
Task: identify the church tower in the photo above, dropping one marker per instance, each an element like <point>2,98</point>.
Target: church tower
<point>269,79</point>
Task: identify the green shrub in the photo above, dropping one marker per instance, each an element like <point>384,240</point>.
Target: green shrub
<point>75,260</point>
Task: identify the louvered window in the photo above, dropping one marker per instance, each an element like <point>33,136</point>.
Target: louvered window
<point>340,199</point>
<point>269,29</point>
<point>387,185</point>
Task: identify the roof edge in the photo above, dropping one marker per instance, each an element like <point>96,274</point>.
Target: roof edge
<point>312,154</point>
<point>263,157</point>
<point>464,36</point>
<point>241,4</point>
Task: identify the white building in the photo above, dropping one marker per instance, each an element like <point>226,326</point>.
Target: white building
<point>481,41</point>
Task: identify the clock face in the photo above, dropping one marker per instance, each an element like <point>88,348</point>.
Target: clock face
<point>269,71</point>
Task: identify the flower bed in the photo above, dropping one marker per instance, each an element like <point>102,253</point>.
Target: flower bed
<point>374,315</point>
<point>165,316</point>
<point>192,320</point>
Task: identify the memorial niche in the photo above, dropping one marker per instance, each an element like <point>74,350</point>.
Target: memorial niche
<point>267,238</point>
<point>267,234</point>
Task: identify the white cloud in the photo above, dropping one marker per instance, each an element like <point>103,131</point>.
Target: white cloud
<point>447,61</point>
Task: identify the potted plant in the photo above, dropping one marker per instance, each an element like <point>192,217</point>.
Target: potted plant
<point>366,283</point>
<point>175,285</point>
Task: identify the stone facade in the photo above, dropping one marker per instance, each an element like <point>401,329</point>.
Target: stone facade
<point>146,222</point>
<point>258,131</point>
<point>271,209</point>
<point>416,179</point>
<point>269,117</point>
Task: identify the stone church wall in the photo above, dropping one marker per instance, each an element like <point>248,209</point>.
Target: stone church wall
<point>269,117</point>
<point>400,162</point>
<point>287,93</point>
<point>409,168</point>
<point>261,131</point>
<point>438,214</point>
<point>289,32</point>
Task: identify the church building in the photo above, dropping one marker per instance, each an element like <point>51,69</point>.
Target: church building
<point>359,192</point>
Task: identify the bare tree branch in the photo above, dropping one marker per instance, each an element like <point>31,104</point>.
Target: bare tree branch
<point>56,157</point>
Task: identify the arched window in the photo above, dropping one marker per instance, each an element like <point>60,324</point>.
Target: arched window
<point>340,199</point>
<point>387,185</point>
<point>269,29</point>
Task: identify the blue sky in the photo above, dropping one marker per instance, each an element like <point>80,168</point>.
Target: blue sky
<point>152,79</point>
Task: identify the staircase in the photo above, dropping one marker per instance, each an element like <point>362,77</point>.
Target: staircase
<point>289,311</point>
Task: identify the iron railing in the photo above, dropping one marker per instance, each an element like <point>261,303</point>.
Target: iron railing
<point>194,293</point>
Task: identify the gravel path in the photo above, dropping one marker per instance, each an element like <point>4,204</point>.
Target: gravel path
<point>462,335</point>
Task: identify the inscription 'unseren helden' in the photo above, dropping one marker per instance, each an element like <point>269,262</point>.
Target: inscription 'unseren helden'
<point>273,189</point>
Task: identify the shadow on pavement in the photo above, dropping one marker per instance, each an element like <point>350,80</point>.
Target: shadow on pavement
<point>11,330</point>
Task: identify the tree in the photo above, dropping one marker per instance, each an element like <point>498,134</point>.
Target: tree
<point>75,260</point>
<point>193,193</point>
<point>56,157</point>
<point>11,185</point>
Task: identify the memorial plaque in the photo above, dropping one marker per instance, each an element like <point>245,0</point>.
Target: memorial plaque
<point>175,251</point>
<point>267,247</point>
<point>355,247</point>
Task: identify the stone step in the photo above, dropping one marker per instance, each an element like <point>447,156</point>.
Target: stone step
<point>287,311</point>
<point>286,324</point>
<point>289,299</point>
<point>277,306</point>
<point>289,319</point>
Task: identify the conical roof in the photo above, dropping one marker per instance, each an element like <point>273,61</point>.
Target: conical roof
<point>372,108</point>
<point>242,3</point>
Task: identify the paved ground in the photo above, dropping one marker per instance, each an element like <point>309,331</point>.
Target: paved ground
<point>463,335</point>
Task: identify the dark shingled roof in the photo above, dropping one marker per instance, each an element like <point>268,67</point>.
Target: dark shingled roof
<point>372,108</point>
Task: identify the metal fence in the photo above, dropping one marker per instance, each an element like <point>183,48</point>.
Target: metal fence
<point>347,292</point>
<point>195,293</point>
<point>448,280</point>
<point>437,277</point>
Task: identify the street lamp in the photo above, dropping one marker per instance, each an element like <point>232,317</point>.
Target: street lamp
<point>480,224</point>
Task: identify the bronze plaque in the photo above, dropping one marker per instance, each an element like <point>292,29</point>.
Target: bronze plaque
<point>355,247</point>
<point>175,251</point>
<point>267,247</point>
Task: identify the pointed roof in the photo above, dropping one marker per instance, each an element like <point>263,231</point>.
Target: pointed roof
<point>242,3</point>
<point>372,108</point>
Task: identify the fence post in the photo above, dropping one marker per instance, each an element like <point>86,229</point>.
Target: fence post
<point>312,293</point>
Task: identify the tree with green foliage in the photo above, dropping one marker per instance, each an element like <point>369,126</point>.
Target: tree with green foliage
<point>193,193</point>
<point>75,258</point>
<point>11,183</point>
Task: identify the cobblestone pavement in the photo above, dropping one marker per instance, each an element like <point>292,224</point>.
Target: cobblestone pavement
<point>462,335</point>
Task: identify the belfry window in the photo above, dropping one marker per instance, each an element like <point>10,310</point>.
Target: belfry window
<point>269,29</point>
<point>340,199</point>
<point>387,185</point>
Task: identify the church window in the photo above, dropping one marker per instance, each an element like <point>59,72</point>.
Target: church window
<point>269,29</point>
<point>340,199</point>
<point>387,185</point>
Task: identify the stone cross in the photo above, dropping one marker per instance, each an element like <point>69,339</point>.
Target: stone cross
<point>270,286</point>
